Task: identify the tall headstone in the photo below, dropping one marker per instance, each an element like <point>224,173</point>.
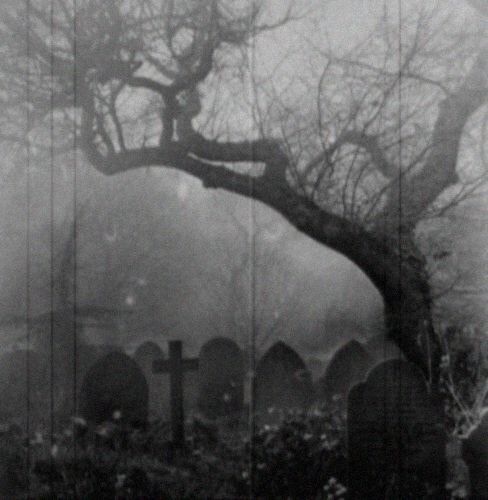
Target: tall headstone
<point>395,437</point>
<point>282,382</point>
<point>115,383</point>
<point>159,404</point>
<point>348,366</point>
<point>221,388</point>
<point>475,454</point>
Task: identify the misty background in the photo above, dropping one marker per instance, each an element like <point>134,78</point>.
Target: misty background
<point>161,258</point>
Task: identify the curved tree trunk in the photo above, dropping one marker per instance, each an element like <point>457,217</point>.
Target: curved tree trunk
<point>385,256</point>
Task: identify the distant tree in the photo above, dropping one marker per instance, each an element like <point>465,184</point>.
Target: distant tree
<point>166,84</point>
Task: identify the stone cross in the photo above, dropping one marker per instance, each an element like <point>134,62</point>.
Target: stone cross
<point>176,367</point>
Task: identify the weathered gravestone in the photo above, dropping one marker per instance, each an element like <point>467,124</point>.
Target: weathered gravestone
<point>395,438</point>
<point>221,371</point>
<point>348,366</point>
<point>114,383</point>
<point>282,382</point>
<point>145,355</point>
<point>475,454</point>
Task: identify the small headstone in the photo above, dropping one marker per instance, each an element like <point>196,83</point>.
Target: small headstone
<point>475,454</point>
<point>115,383</point>
<point>395,438</point>
<point>221,370</point>
<point>282,382</point>
<point>348,366</point>
<point>159,405</point>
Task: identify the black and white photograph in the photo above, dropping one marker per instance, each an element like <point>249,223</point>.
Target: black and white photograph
<point>243,249</point>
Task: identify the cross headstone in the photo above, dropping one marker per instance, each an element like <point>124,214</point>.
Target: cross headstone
<point>395,438</point>
<point>475,454</point>
<point>176,367</point>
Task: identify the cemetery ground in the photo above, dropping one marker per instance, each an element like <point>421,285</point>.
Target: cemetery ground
<point>303,457</point>
<point>144,431</point>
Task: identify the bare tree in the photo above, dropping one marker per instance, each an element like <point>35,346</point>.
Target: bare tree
<point>139,83</point>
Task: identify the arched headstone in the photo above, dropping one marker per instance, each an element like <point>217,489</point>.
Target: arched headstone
<point>221,374</point>
<point>348,366</point>
<point>475,454</point>
<point>282,382</point>
<point>395,438</point>
<point>114,383</point>
<point>159,404</point>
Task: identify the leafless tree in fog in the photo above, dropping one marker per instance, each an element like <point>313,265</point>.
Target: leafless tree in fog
<point>148,83</point>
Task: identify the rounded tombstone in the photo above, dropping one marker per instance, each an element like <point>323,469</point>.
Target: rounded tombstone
<point>282,381</point>
<point>115,383</point>
<point>221,378</point>
<point>348,366</point>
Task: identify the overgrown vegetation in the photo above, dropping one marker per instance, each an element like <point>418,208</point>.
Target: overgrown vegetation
<point>303,457</point>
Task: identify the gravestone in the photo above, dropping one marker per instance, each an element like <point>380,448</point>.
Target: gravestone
<point>221,372</point>
<point>395,438</point>
<point>159,405</point>
<point>348,366</point>
<point>114,383</point>
<point>475,454</point>
<point>282,383</point>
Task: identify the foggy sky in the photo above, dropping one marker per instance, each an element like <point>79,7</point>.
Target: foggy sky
<point>172,225</point>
